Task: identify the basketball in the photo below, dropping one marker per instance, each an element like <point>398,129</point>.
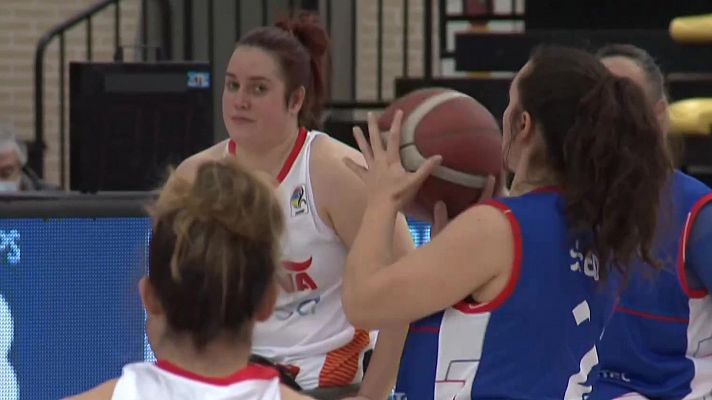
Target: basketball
<point>461,130</point>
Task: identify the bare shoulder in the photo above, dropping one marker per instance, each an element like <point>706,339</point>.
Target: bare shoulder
<point>188,167</point>
<point>328,170</point>
<point>492,231</point>
<point>340,195</point>
<point>338,191</point>
<point>289,394</point>
<point>485,217</point>
<point>101,392</point>
<point>329,152</point>
<point>485,224</point>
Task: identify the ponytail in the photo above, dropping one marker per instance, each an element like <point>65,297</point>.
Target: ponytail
<point>604,143</point>
<point>305,27</point>
<point>615,165</point>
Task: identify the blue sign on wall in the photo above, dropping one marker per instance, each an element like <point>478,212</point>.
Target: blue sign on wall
<point>70,314</point>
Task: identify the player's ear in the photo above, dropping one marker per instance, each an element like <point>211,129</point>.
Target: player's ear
<point>149,298</point>
<point>662,113</point>
<point>296,100</point>
<point>526,125</point>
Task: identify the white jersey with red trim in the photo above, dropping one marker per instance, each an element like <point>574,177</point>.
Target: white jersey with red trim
<point>308,330</point>
<point>164,380</point>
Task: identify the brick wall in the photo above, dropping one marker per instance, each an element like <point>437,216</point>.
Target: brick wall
<point>366,42</point>
<point>22,23</point>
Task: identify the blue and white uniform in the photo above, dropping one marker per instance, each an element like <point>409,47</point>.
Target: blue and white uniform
<point>536,339</point>
<point>659,341</point>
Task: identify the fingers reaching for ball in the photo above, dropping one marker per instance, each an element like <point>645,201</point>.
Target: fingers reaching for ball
<point>385,177</point>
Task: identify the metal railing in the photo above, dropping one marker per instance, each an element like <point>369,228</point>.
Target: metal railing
<point>323,7</point>
<point>58,32</point>
<point>429,27</point>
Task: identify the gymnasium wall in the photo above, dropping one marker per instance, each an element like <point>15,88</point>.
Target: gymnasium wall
<point>22,24</point>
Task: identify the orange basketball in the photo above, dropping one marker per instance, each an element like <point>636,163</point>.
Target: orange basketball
<point>461,130</point>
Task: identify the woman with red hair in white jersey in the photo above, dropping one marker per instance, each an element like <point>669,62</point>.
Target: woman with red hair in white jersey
<point>272,95</point>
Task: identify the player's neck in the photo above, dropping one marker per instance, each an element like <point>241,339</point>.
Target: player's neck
<point>267,159</point>
<point>532,173</point>
<point>221,357</point>
<point>527,181</point>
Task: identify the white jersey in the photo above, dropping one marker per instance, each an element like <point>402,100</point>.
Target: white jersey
<point>162,380</point>
<point>308,330</point>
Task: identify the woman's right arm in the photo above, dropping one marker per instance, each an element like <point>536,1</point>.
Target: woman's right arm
<point>474,249</point>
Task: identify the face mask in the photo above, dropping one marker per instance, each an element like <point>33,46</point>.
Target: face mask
<point>9,186</point>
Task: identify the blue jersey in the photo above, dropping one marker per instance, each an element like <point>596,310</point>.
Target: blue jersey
<point>536,339</point>
<point>659,341</point>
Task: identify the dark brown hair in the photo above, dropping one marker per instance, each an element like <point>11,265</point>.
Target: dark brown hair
<point>214,249</point>
<point>300,47</point>
<point>604,143</point>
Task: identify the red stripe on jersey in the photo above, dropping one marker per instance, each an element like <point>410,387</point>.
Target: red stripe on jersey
<point>681,275</point>
<point>469,308</point>
<point>655,317</point>
<point>548,189</point>
<point>298,145</point>
<point>249,373</point>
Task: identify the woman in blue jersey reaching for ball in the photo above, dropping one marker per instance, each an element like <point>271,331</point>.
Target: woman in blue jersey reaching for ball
<point>509,299</point>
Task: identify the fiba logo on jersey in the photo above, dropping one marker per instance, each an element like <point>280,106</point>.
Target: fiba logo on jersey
<point>298,201</point>
<point>8,379</point>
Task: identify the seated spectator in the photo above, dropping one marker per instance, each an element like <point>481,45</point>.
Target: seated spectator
<point>15,175</point>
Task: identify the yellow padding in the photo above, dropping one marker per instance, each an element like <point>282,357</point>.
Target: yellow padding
<point>692,29</point>
<point>691,116</point>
